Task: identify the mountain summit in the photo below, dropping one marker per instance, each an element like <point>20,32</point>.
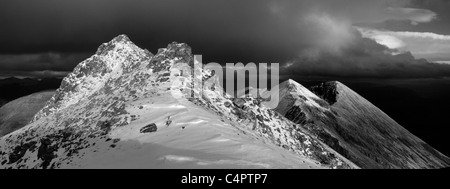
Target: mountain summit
<point>356,128</point>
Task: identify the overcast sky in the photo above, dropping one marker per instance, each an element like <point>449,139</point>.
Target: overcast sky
<point>342,38</point>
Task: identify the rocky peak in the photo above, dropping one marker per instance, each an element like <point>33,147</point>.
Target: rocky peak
<point>121,38</point>
<point>116,65</point>
<point>180,51</point>
<point>295,98</point>
<point>116,62</point>
<point>105,47</point>
<point>291,86</point>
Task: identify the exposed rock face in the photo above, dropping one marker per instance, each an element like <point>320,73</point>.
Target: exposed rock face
<point>356,128</point>
<point>99,73</point>
<point>121,88</point>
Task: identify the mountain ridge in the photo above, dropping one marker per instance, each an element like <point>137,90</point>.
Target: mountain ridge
<point>125,100</point>
<point>127,107</point>
<point>361,132</point>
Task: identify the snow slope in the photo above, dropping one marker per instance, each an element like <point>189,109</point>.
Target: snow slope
<point>194,139</point>
<point>355,128</point>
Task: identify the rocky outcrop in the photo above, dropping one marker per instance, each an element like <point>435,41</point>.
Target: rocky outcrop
<point>149,128</point>
<point>327,91</point>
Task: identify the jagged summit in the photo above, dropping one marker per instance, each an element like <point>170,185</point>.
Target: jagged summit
<point>121,39</point>
<point>181,51</point>
<point>115,60</point>
<point>294,94</point>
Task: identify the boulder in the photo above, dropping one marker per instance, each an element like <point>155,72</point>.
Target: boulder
<point>149,128</point>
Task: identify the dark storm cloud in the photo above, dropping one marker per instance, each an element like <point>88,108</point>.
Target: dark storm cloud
<point>226,30</point>
<point>222,31</point>
<point>337,49</point>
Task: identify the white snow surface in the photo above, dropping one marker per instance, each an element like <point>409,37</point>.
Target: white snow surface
<point>195,139</point>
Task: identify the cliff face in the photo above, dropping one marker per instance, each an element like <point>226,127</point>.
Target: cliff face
<point>355,128</point>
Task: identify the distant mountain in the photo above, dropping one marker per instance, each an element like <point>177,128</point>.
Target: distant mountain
<point>18,113</point>
<point>124,108</point>
<point>355,128</point>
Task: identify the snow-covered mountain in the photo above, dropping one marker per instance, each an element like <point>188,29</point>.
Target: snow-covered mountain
<point>124,108</point>
<point>355,128</point>
<point>19,112</point>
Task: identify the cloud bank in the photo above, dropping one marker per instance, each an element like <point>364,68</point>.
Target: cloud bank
<point>336,48</point>
<point>427,45</point>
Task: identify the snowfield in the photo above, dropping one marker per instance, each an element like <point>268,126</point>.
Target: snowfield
<point>194,139</point>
